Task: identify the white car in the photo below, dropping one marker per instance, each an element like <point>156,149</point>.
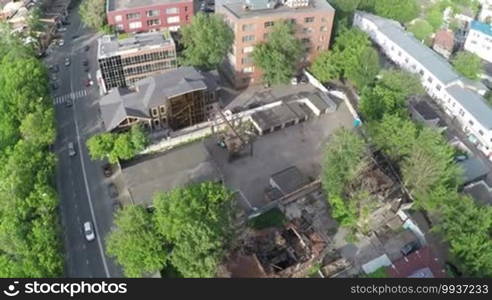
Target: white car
<point>71,150</point>
<point>88,232</point>
<point>67,61</point>
<point>61,43</point>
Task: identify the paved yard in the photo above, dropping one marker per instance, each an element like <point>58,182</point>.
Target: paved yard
<point>300,145</point>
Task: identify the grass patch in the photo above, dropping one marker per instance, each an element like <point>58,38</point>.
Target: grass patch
<point>379,273</point>
<point>272,218</point>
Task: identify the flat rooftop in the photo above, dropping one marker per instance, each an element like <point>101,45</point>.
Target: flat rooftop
<point>111,45</point>
<point>236,7</point>
<point>128,4</point>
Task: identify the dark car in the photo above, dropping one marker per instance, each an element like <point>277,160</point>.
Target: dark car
<point>113,191</point>
<point>409,248</point>
<point>86,48</point>
<point>107,170</point>
<point>75,36</point>
<point>54,68</point>
<point>54,86</point>
<point>85,62</point>
<point>68,103</point>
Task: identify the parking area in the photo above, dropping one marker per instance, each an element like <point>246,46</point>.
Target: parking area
<point>300,145</point>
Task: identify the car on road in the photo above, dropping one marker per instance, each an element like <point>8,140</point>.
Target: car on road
<point>86,48</point>
<point>54,86</point>
<point>88,83</point>
<point>87,69</point>
<point>68,103</point>
<point>75,36</point>
<point>107,170</point>
<point>54,68</point>
<point>62,29</point>
<point>61,43</point>
<point>89,232</point>
<point>113,191</point>
<point>71,149</point>
<point>85,62</point>
<point>67,61</point>
<point>409,248</point>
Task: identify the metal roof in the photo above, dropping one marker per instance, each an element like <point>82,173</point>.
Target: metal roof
<point>473,103</point>
<point>482,27</point>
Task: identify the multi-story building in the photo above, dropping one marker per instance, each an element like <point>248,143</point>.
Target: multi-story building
<point>125,61</point>
<point>479,40</point>
<point>148,15</point>
<point>452,92</point>
<point>252,20</point>
<point>485,14</point>
<point>173,100</point>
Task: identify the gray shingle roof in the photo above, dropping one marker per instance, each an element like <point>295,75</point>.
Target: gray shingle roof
<point>473,103</point>
<point>432,61</point>
<point>151,92</point>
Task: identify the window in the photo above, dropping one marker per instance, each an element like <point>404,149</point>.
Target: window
<point>133,16</point>
<point>174,19</point>
<point>471,122</point>
<point>323,29</point>
<point>172,10</point>
<point>438,87</point>
<point>135,25</point>
<point>163,109</point>
<point>305,40</point>
<point>248,27</point>
<point>309,20</point>
<point>248,38</point>
<point>152,13</point>
<point>307,30</point>
<point>118,18</point>
<point>186,8</point>
<point>324,19</point>
<point>429,79</point>
<point>268,24</point>
<point>248,49</point>
<point>246,60</point>
<point>480,132</point>
<point>292,21</point>
<point>153,22</point>
<point>154,112</point>
<point>421,72</point>
<point>462,112</point>
<point>248,70</point>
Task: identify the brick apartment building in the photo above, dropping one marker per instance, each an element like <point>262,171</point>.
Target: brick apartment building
<point>251,20</point>
<point>125,61</point>
<point>148,15</point>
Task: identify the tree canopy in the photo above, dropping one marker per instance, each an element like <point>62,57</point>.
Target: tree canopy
<point>206,40</point>
<point>402,11</point>
<point>468,64</point>
<point>93,13</point>
<point>421,29</point>
<point>197,222</point>
<point>278,57</point>
<point>135,243</point>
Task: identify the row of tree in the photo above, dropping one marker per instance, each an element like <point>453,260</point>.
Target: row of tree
<point>118,146</point>
<point>186,233</point>
<point>29,227</point>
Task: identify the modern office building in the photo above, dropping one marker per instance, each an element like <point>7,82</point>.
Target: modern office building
<point>125,61</point>
<point>479,40</point>
<point>148,15</point>
<point>252,20</point>
<point>456,95</point>
<point>173,100</point>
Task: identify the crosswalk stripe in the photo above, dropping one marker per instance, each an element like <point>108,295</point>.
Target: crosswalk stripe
<point>73,95</point>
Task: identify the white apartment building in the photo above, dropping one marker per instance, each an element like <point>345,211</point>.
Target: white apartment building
<point>448,88</point>
<point>485,14</point>
<point>479,40</point>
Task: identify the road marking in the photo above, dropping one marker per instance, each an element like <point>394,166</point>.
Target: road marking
<point>89,199</point>
<point>73,95</point>
<point>86,261</point>
<point>84,246</point>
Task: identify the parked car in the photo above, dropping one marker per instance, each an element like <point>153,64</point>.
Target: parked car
<point>409,248</point>
<point>113,191</point>
<point>54,86</point>
<point>68,103</point>
<point>75,36</point>
<point>85,62</point>
<point>88,83</point>
<point>71,149</point>
<point>62,29</point>
<point>294,81</point>
<point>61,43</point>
<point>107,170</point>
<point>54,68</point>
<point>67,61</point>
<point>89,232</point>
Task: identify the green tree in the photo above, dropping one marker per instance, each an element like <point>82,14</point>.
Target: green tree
<point>93,13</point>
<point>123,148</point>
<point>421,29</point>
<point>206,41</point>
<point>326,66</point>
<point>401,81</point>
<point>402,11</point>
<point>435,17</point>
<point>34,20</point>
<point>380,100</point>
<point>394,135</point>
<point>38,127</point>
<point>135,243</point>
<point>139,138</point>
<point>363,72</point>
<point>280,55</point>
<point>468,64</point>
<point>342,160</point>
<point>100,145</point>
<point>197,221</point>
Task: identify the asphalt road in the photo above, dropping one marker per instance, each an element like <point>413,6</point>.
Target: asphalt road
<point>81,185</point>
